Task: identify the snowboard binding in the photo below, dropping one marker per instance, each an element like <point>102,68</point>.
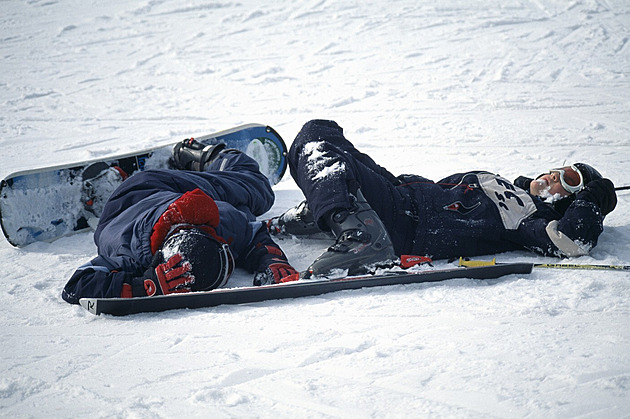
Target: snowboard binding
<point>190,154</point>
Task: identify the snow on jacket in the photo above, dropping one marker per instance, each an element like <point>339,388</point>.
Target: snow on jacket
<point>123,235</point>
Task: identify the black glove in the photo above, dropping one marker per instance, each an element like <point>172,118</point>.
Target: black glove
<point>602,193</point>
<point>562,205</point>
<point>523,182</point>
<point>161,278</point>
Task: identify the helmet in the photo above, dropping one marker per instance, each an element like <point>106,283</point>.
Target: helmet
<point>212,261</point>
<point>588,172</point>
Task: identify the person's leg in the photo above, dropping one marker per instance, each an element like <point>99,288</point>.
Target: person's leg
<point>343,187</point>
<point>325,165</point>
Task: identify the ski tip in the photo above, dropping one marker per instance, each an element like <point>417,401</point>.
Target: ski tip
<point>90,304</point>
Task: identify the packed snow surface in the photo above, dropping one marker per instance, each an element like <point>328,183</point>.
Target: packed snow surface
<point>429,87</point>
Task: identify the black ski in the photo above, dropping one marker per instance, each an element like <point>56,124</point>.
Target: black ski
<point>124,306</point>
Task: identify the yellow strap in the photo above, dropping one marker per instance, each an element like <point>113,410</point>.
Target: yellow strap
<point>473,263</point>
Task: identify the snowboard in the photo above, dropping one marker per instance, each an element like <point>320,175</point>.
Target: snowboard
<point>302,288</point>
<point>48,203</point>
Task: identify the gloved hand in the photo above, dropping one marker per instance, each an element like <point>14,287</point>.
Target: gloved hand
<point>602,193</point>
<point>272,265</point>
<point>172,276</point>
<point>276,273</point>
<point>523,182</point>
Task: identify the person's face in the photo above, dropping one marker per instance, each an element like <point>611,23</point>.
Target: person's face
<point>549,183</point>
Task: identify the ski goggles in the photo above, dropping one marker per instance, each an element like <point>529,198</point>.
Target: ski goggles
<point>571,178</point>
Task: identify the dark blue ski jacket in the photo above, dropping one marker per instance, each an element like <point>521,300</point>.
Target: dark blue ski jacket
<point>124,231</point>
<point>477,213</point>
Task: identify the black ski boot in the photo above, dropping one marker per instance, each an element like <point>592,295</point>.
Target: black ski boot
<point>296,221</point>
<point>363,243</point>
<point>193,155</point>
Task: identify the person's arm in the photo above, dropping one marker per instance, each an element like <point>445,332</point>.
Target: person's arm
<point>266,260</point>
<point>576,233</point>
<point>95,280</point>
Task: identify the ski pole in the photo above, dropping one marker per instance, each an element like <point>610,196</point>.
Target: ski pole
<point>471,263</point>
<point>622,188</point>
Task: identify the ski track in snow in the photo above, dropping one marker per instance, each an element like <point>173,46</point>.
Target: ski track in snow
<point>432,88</point>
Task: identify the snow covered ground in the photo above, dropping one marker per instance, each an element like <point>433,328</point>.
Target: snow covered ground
<point>428,87</point>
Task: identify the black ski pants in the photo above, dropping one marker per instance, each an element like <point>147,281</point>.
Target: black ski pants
<point>327,168</point>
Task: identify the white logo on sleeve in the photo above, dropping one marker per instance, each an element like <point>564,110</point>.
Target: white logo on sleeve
<point>514,204</point>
